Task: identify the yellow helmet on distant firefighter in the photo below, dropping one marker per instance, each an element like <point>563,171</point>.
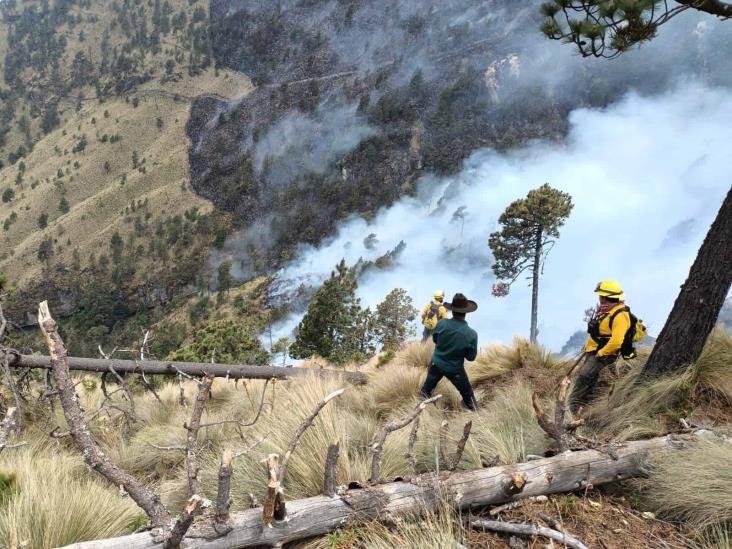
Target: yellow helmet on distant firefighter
<point>610,288</point>
<point>439,295</point>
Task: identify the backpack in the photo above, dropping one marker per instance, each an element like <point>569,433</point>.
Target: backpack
<point>430,321</point>
<point>635,333</point>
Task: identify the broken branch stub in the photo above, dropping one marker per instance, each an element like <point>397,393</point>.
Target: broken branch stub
<point>559,429</point>
<point>223,498</point>
<point>461,445</point>
<point>331,469</point>
<point>377,446</point>
<point>204,388</point>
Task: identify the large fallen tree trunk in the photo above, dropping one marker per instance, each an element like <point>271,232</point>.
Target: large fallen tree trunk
<point>319,515</point>
<point>196,369</point>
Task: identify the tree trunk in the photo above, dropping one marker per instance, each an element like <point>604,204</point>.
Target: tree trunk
<point>196,369</point>
<point>319,515</point>
<point>535,287</point>
<point>697,306</point>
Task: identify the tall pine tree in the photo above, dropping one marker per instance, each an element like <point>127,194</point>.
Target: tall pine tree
<point>530,226</point>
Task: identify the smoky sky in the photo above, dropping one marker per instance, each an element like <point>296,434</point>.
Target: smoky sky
<point>637,172</point>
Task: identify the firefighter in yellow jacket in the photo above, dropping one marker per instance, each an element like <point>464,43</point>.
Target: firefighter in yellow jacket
<point>432,313</point>
<point>612,331</point>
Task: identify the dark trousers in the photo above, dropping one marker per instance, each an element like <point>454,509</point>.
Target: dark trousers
<point>458,379</point>
<point>426,334</point>
<point>583,388</point>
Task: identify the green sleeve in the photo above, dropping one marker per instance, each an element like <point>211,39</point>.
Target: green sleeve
<point>472,350</point>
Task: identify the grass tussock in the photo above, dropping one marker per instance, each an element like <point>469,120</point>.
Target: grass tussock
<point>693,484</point>
<point>54,500</point>
<point>635,408</point>
<point>497,359</point>
<point>415,354</point>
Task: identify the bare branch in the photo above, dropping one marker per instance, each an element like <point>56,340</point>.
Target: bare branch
<point>238,422</point>
<point>410,447</point>
<point>128,393</point>
<point>559,430</point>
<point>461,445</point>
<point>79,429</point>
<point>303,427</point>
<point>204,387</point>
<point>528,530</point>
<point>377,446</point>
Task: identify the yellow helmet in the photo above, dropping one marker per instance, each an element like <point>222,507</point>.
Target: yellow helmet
<point>439,295</point>
<point>610,288</point>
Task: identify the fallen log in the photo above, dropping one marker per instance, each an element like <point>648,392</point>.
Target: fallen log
<point>566,472</point>
<point>196,369</point>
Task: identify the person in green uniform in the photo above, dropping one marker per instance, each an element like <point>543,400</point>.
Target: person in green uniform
<point>455,342</point>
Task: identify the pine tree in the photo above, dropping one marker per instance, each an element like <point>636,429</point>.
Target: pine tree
<point>699,302</point>
<point>393,318</point>
<point>607,28</point>
<point>334,320</point>
<point>530,227</point>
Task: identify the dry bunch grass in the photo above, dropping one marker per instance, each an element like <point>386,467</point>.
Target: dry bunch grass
<point>51,499</point>
<point>693,484</point>
<point>634,408</point>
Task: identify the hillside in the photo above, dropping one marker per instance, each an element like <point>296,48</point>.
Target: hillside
<point>94,172</point>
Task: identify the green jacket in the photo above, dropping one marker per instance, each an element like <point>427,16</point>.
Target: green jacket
<point>455,341</point>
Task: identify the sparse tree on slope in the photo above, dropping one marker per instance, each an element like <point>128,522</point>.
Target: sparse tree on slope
<point>697,306</point>
<point>330,326</point>
<point>530,226</point>
<point>393,318</point>
<point>607,28</point>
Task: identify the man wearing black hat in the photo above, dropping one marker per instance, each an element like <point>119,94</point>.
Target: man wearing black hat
<point>455,341</point>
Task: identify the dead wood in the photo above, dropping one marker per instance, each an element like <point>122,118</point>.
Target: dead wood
<point>377,446</point>
<point>559,430</point>
<point>8,427</point>
<point>300,430</point>
<point>194,369</point>
<point>223,497</point>
<point>483,487</point>
<point>331,468</point>
<point>79,429</point>
<point>204,388</point>
<point>461,445</point>
<point>410,455</point>
<point>528,530</point>
<point>274,503</point>
<point>193,507</point>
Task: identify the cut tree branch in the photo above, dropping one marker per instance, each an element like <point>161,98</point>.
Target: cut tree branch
<point>81,434</point>
<point>377,446</point>
<point>528,530</point>
<point>558,429</point>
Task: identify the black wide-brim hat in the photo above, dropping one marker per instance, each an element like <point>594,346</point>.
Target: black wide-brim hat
<point>461,304</point>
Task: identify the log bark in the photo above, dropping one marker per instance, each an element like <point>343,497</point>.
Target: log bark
<point>322,514</point>
<point>195,369</point>
<point>697,306</point>
<point>223,497</point>
<point>331,469</point>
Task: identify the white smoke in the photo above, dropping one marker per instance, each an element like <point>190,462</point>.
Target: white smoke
<point>634,170</point>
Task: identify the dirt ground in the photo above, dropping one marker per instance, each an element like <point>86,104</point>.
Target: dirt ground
<point>599,520</point>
